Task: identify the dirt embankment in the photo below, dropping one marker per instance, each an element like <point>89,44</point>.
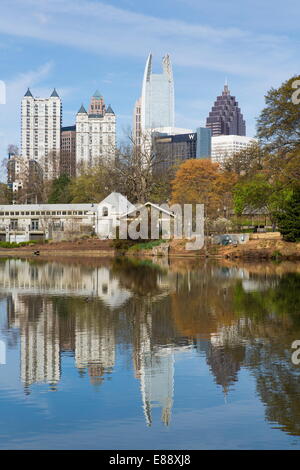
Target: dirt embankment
<point>262,249</point>
<point>90,247</point>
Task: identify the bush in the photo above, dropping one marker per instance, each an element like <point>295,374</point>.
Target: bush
<point>276,255</point>
<point>18,245</point>
<point>146,245</point>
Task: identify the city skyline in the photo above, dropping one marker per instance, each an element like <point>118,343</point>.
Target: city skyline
<point>44,54</point>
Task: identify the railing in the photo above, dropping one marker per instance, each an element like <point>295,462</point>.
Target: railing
<point>20,228</point>
<point>13,228</point>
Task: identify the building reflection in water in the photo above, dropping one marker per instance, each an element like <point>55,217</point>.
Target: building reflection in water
<point>86,311</point>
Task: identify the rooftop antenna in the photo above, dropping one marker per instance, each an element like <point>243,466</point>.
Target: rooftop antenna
<point>226,90</point>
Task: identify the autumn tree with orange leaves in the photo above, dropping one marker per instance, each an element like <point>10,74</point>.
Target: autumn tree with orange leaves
<point>203,182</point>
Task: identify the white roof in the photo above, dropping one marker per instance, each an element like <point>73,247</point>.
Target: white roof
<point>118,201</point>
<point>48,207</point>
<point>139,207</point>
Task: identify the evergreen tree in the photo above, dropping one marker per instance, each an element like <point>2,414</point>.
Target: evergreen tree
<point>288,218</point>
<point>60,192</point>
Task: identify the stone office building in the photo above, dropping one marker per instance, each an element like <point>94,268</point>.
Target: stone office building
<point>95,133</point>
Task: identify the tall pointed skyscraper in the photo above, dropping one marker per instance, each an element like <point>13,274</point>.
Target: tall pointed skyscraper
<point>157,100</point>
<point>225,117</point>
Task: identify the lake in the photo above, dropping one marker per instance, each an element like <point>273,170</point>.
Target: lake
<point>148,354</point>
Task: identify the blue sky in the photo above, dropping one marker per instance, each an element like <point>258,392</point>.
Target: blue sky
<point>80,45</point>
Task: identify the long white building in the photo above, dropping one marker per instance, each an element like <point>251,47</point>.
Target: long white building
<point>25,222</point>
<point>225,146</point>
<point>41,120</point>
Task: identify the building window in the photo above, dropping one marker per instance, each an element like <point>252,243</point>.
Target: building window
<point>13,224</point>
<point>105,212</point>
<point>34,224</point>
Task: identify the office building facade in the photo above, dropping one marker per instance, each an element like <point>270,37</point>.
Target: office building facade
<point>225,117</point>
<point>41,120</point>
<point>157,101</point>
<point>95,133</point>
<point>174,149</point>
<point>68,151</point>
<point>225,146</point>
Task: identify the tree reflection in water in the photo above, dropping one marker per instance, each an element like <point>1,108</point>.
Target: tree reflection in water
<point>237,316</point>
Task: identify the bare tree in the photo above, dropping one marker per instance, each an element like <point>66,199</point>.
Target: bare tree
<point>137,170</point>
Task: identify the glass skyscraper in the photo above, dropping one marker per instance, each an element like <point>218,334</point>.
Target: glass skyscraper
<point>157,101</point>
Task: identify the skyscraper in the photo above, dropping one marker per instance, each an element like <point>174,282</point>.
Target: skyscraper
<point>157,100</point>
<point>173,149</point>
<point>225,117</point>
<point>68,151</point>
<point>95,132</point>
<point>41,124</point>
<point>137,125</point>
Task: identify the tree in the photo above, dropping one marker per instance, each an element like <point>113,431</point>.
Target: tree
<point>12,149</point>
<point>93,185</point>
<point>137,172</point>
<point>288,217</point>
<point>278,126</point>
<point>252,194</point>
<point>247,161</point>
<point>33,189</point>
<point>60,191</point>
<point>5,194</point>
<point>203,182</point>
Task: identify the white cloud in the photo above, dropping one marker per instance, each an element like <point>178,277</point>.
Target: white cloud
<point>10,117</point>
<point>260,59</point>
<point>104,29</point>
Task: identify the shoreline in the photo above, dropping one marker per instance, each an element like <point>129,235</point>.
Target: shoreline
<point>257,250</point>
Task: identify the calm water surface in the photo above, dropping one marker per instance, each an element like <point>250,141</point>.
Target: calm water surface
<point>139,354</point>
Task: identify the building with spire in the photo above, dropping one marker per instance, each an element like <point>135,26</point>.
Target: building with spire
<point>228,128</point>
<point>41,120</point>
<point>155,109</point>
<point>225,117</point>
<point>95,132</point>
<point>97,105</point>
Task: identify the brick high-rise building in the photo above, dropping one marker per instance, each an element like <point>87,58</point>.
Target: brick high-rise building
<point>97,105</point>
<point>68,151</point>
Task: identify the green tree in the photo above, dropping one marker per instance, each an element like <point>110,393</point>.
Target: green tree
<point>288,217</point>
<point>247,161</point>
<point>252,194</point>
<point>60,191</point>
<point>278,126</point>
<point>93,185</point>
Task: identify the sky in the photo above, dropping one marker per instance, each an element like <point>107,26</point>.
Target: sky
<point>78,46</point>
